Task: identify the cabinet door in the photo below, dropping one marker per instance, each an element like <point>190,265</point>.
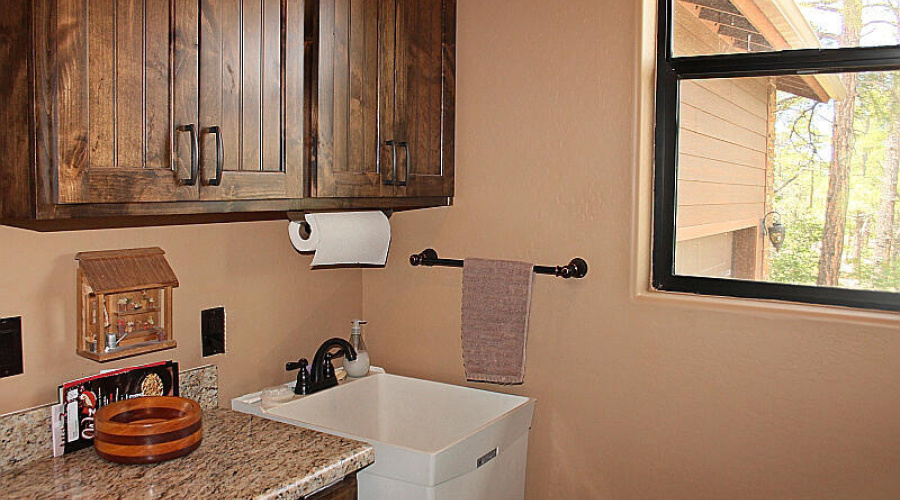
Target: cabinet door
<point>350,154</point>
<point>125,74</point>
<point>251,99</point>
<point>424,95</point>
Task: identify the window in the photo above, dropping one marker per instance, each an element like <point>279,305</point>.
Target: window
<point>778,150</point>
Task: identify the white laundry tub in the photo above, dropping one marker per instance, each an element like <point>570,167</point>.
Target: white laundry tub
<point>432,441</point>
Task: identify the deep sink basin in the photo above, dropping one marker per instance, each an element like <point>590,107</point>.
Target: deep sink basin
<point>431,440</point>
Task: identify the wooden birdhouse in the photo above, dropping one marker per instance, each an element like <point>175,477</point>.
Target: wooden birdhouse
<point>125,303</point>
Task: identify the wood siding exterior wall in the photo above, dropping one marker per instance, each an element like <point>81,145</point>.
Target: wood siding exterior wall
<point>722,147</point>
<point>707,256</point>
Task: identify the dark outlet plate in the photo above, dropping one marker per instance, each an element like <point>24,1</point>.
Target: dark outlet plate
<point>10,347</point>
<point>212,330</point>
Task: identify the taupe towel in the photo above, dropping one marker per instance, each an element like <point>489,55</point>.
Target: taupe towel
<point>496,301</point>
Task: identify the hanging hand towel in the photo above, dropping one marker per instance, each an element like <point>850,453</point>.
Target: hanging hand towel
<point>496,301</point>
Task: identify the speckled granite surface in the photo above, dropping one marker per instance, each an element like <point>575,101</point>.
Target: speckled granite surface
<point>242,456</point>
<point>201,385</point>
<point>25,435</point>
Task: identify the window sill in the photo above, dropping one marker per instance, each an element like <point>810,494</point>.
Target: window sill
<point>771,308</point>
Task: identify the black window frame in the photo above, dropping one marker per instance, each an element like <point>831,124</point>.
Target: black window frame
<point>671,70</point>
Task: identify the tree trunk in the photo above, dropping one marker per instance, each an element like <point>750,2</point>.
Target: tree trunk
<point>842,143</point>
<point>884,223</point>
<point>812,187</point>
<point>895,251</point>
<point>765,247</point>
<point>862,241</point>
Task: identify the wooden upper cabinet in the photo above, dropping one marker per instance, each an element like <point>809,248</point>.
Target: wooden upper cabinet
<point>384,113</point>
<point>251,99</point>
<point>424,96</point>
<point>348,140</point>
<point>119,90</point>
<point>148,89</point>
<point>116,108</point>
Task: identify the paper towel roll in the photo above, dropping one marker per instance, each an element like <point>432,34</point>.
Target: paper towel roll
<point>344,238</point>
<point>295,230</point>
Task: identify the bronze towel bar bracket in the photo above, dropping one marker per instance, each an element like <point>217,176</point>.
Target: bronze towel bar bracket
<point>577,268</point>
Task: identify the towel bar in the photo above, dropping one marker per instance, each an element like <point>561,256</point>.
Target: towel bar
<point>577,268</point>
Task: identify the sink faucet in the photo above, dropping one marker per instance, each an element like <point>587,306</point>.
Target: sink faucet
<point>322,373</point>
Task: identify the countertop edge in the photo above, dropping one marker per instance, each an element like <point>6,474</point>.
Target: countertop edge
<point>329,475</point>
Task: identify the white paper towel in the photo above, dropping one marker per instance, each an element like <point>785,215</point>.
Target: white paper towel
<point>345,238</point>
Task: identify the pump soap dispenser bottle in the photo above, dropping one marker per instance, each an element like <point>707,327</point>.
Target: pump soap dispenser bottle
<point>359,367</point>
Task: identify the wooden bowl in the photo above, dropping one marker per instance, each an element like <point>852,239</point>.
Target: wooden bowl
<point>148,430</point>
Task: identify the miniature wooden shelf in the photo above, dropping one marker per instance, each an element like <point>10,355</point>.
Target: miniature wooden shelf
<point>127,352</point>
<point>137,312</point>
<point>125,305</point>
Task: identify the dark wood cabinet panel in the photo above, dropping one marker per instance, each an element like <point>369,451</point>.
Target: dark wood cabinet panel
<point>348,138</point>
<point>113,72</point>
<point>386,98</point>
<point>346,489</point>
<point>251,112</point>
<point>17,187</point>
<point>424,86</point>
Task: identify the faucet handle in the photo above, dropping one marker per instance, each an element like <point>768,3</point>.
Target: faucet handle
<point>328,368</point>
<point>302,385</point>
<point>291,366</point>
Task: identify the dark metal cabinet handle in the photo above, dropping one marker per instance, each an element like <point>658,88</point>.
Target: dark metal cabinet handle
<point>195,146</point>
<point>405,181</point>
<point>393,180</point>
<point>220,155</point>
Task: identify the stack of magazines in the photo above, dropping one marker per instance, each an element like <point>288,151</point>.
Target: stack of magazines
<point>73,416</point>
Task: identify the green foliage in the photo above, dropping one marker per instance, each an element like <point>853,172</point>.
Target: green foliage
<point>890,280</point>
<point>798,261</point>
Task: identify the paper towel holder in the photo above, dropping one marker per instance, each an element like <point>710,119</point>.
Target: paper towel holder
<point>306,230</point>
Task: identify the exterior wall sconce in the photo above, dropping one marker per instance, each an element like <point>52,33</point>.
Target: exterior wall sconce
<point>775,231</point>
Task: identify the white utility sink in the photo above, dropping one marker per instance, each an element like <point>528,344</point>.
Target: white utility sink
<point>432,440</point>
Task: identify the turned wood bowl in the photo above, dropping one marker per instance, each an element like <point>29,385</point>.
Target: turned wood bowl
<point>148,430</point>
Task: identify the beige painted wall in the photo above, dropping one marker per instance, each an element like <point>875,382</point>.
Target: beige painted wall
<point>277,309</point>
<point>637,398</point>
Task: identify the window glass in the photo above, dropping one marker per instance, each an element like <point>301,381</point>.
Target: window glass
<point>790,179</point>
<point>735,26</point>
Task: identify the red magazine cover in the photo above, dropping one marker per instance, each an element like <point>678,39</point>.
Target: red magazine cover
<point>82,398</point>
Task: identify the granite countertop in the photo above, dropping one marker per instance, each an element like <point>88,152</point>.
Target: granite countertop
<point>242,456</point>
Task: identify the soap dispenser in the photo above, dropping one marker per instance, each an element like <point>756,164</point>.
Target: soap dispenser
<point>360,366</point>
